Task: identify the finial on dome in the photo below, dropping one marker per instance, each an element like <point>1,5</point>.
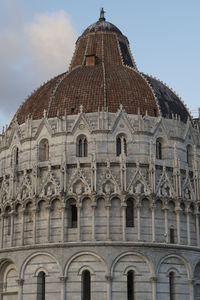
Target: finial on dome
<point>102,15</point>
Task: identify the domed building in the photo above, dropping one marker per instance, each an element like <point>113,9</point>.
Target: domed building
<point>100,184</point>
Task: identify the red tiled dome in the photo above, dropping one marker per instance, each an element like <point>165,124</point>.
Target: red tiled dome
<point>102,74</point>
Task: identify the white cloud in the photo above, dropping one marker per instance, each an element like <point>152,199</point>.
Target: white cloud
<point>51,42</point>
<point>30,54</point>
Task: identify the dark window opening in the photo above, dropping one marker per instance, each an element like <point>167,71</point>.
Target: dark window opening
<point>172,240</point>
<point>86,285</point>
<point>82,150</point>
<point>129,214</point>
<point>155,112</point>
<point>73,216</point>
<point>158,149</point>
<point>130,285</point>
<point>121,145</point>
<point>172,286</point>
<point>118,146</point>
<point>17,156</point>
<point>41,286</point>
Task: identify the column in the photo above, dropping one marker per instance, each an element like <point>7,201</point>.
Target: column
<point>2,229</point>
<point>12,214</point>
<point>20,290</point>
<point>191,288</point>
<point>188,226</point>
<point>197,228</point>
<point>178,225</point>
<point>154,280</point>
<point>63,280</point>
<point>66,222</point>
<point>138,221</point>
<point>124,221</point>
<point>79,205</point>
<point>109,287</point>
<point>63,224</point>
<point>22,227</point>
<point>166,224</point>
<point>93,221</point>
<point>108,221</point>
<point>34,210</point>
<point>153,222</point>
<point>48,208</point>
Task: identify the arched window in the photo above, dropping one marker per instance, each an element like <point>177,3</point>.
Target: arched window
<point>130,285</point>
<point>129,213</point>
<point>189,155</point>
<point>159,154</point>
<point>82,147</point>
<point>86,285</point>
<point>121,145</point>
<point>44,150</point>
<point>41,286</point>
<point>172,286</point>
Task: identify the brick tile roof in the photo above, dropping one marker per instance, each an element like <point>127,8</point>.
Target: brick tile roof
<point>113,80</point>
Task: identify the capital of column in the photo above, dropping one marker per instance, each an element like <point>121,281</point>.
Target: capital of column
<point>107,205</point>
<point>48,207</point>
<point>153,278</point>
<point>20,282</point>
<point>190,281</point>
<point>108,278</point>
<point>2,215</point>
<point>35,210</point>
<point>94,204</point>
<point>63,207</point>
<point>79,205</point>
<point>178,210</point>
<point>12,213</point>
<point>188,211</point>
<point>138,205</point>
<point>63,279</point>
<point>165,208</point>
<point>153,206</point>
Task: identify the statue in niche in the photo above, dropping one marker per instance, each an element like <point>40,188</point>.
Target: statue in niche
<point>50,191</point>
<point>24,194</point>
<point>187,193</point>
<point>165,190</point>
<point>78,188</point>
<point>108,187</point>
<point>139,188</point>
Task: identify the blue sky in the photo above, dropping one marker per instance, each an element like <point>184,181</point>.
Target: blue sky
<point>38,41</point>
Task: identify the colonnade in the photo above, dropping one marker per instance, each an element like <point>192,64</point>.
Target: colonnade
<point>8,222</point>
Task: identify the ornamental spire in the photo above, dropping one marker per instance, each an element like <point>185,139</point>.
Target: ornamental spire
<point>102,15</point>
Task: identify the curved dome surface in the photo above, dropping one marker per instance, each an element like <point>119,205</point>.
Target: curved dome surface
<point>102,25</point>
<point>111,80</point>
